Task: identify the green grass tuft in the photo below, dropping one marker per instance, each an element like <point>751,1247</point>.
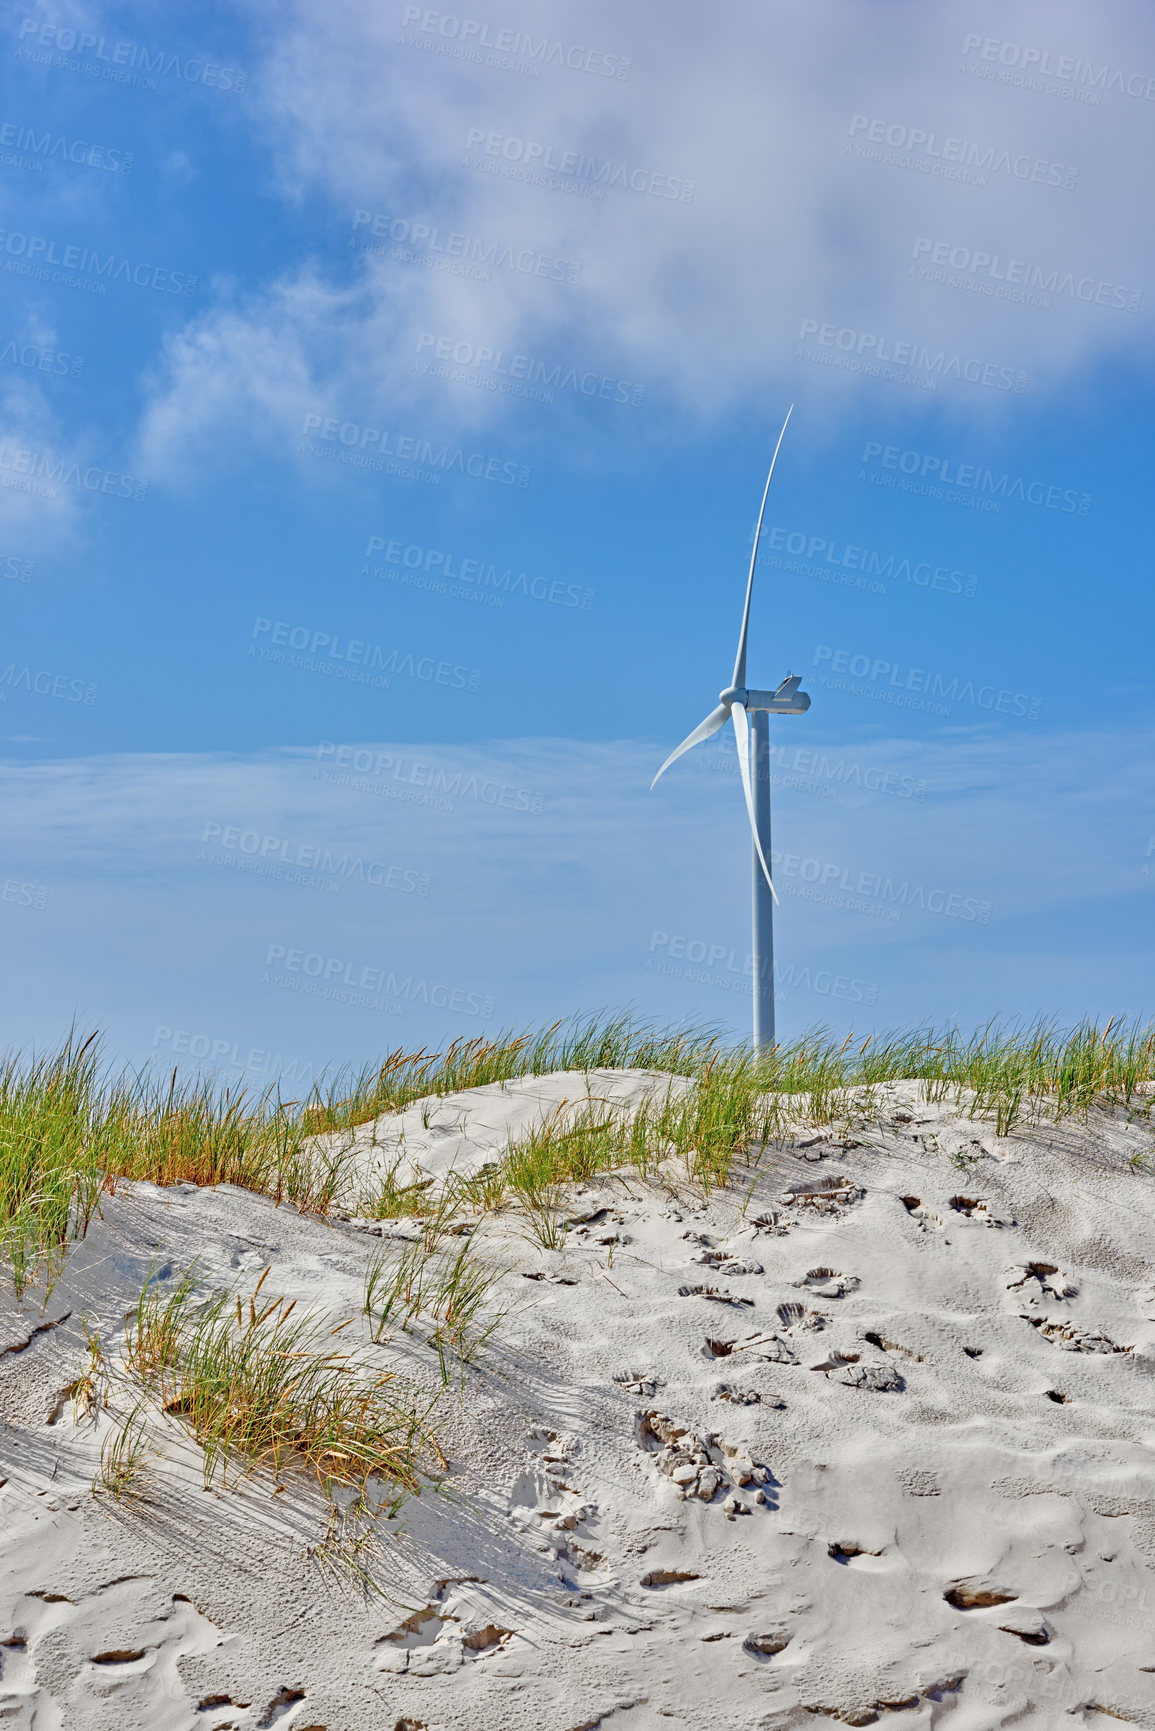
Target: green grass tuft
<point>262,1390</point>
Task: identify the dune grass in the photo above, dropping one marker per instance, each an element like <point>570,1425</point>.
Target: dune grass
<point>51,1145</point>
<point>451,1290</point>
<point>263,1391</point>
<point>125,1458</point>
<point>1006,1066</point>
<point>71,1130</point>
<point>615,1042</point>
<point>743,1100</point>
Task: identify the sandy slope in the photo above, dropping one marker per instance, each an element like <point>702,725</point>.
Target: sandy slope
<point>862,1503</point>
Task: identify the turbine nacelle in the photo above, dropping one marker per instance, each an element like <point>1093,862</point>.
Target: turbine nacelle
<point>787,699</point>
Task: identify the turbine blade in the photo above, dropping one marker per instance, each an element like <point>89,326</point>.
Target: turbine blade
<point>703,731</point>
<point>742,739</point>
<point>740,661</point>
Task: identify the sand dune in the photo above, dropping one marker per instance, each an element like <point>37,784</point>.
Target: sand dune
<point>869,1437</point>
<point>460,1133</point>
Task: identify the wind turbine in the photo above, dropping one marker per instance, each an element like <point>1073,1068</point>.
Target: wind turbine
<point>750,711</point>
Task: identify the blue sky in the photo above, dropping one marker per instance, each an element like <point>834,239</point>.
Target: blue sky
<point>386,396</point>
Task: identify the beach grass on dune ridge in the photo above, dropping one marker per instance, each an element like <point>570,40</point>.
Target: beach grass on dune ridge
<point>615,1042</point>
<point>744,1100</point>
<point>70,1129</point>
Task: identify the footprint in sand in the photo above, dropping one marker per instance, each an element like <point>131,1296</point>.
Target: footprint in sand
<point>737,1396</point>
<point>639,1381</point>
<point>718,1295</point>
<point>846,1367</point>
<point>926,1218</point>
<point>828,1282</point>
<point>1072,1339</point>
<point>771,1225</point>
<point>434,1641</point>
<point>976,1209</point>
<point>829,1196</point>
<point>728,1262</point>
<point>453,1630</point>
<point>770,1348</point>
<point>1038,1280</point>
<point>795,1318</point>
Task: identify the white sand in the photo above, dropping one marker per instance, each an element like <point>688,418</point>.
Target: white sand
<point>938,1541</point>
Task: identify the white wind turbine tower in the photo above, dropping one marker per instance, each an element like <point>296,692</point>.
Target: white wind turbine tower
<point>750,711</point>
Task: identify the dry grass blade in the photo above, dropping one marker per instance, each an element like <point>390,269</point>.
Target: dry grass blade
<point>124,1459</point>
<point>86,1388</point>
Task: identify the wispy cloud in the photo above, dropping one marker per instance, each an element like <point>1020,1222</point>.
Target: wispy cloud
<point>544,876</point>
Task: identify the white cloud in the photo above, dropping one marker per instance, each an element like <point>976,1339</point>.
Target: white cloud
<point>701,301</point>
